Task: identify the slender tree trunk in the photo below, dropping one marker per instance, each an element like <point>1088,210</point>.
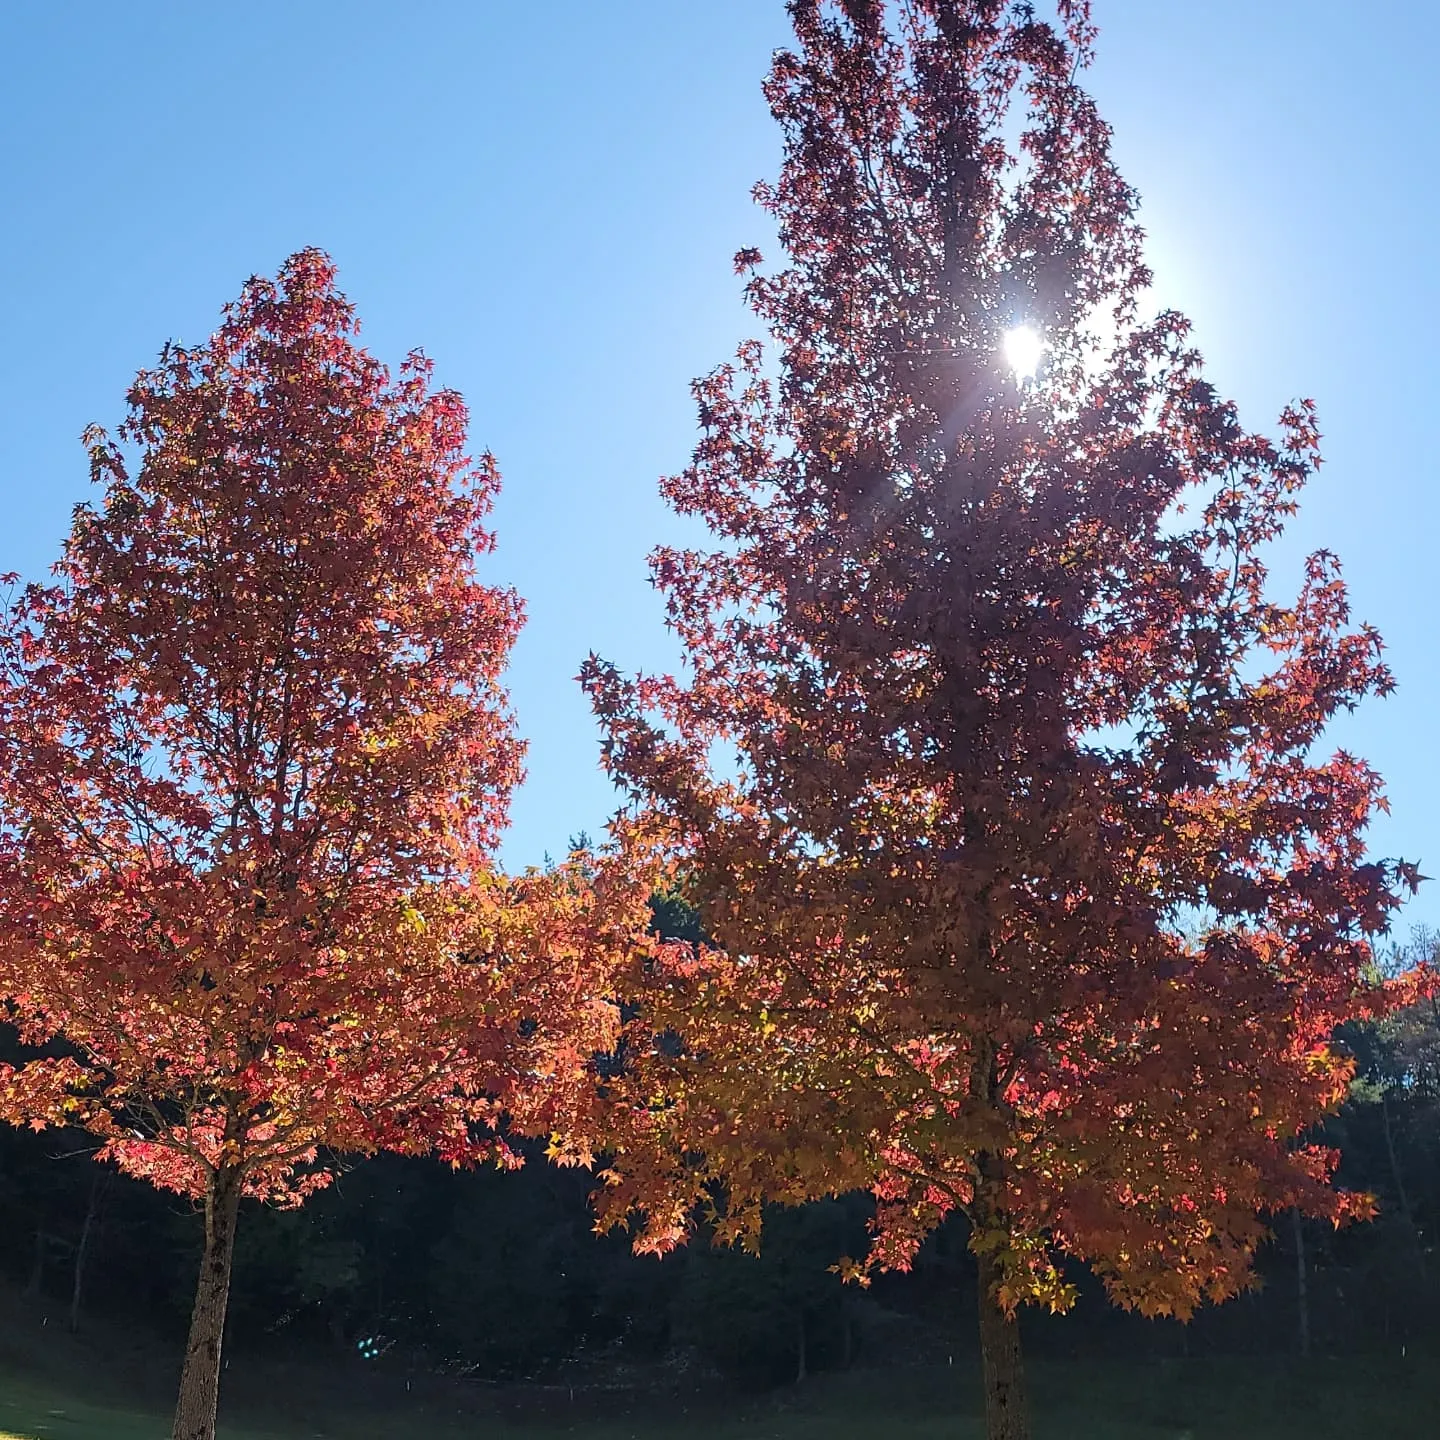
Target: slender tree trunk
<point>1007,1412</point>
<point>200,1375</point>
<point>1400,1192</point>
<point>82,1246</point>
<point>801,1350</point>
<point>37,1266</point>
<point>1302,1288</point>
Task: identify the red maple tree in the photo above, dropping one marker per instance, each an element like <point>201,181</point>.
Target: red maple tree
<point>254,759</point>
<point>995,775</point>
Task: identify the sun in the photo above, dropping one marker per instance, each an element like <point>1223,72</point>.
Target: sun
<point>1023,351</point>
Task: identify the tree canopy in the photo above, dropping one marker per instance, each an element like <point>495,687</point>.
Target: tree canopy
<point>997,771</point>
<point>255,756</point>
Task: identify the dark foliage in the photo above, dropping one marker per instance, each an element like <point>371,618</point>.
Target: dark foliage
<point>498,1275</point>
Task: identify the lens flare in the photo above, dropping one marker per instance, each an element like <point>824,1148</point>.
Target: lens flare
<point>1023,351</point>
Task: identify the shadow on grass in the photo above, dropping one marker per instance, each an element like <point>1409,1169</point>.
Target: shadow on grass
<point>116,1383</point>
<point>1209,1399</point>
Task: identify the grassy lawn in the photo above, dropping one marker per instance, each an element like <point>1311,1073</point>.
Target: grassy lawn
<point>33,1412</point>
<point>1172,1400</point>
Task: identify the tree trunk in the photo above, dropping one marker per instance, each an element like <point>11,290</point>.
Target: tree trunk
<point>1400,1193</point>
<point>82,1247</point>
<point>37,1267</point>
<point>1007,1414</point>
<point>1302,1288</point>
<point>801,1349</point>
<point>200,1375</point>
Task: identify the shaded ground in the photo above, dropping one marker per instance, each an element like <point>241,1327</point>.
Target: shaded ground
<point>1181,1400</point>
<point>115,1384</point>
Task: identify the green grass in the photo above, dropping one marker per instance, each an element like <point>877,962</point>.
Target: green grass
<point>1075,1400</point>
<point>33,1412</point>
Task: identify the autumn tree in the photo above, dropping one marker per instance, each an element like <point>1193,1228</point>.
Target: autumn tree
<point>995,770</point>
<point>254,758</point>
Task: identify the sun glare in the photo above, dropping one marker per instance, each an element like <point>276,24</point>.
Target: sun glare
<point>1023,349</point>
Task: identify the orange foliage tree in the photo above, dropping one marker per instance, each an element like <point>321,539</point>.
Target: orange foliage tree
<point>254,759</point>
<point>995,774</point>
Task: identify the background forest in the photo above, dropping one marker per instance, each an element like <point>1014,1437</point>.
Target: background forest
<point>405,1267</point>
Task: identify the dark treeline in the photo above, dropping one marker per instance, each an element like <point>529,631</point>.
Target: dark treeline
<point>498,1275</point>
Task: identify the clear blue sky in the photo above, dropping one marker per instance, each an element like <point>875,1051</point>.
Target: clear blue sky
<point>545,198</point>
